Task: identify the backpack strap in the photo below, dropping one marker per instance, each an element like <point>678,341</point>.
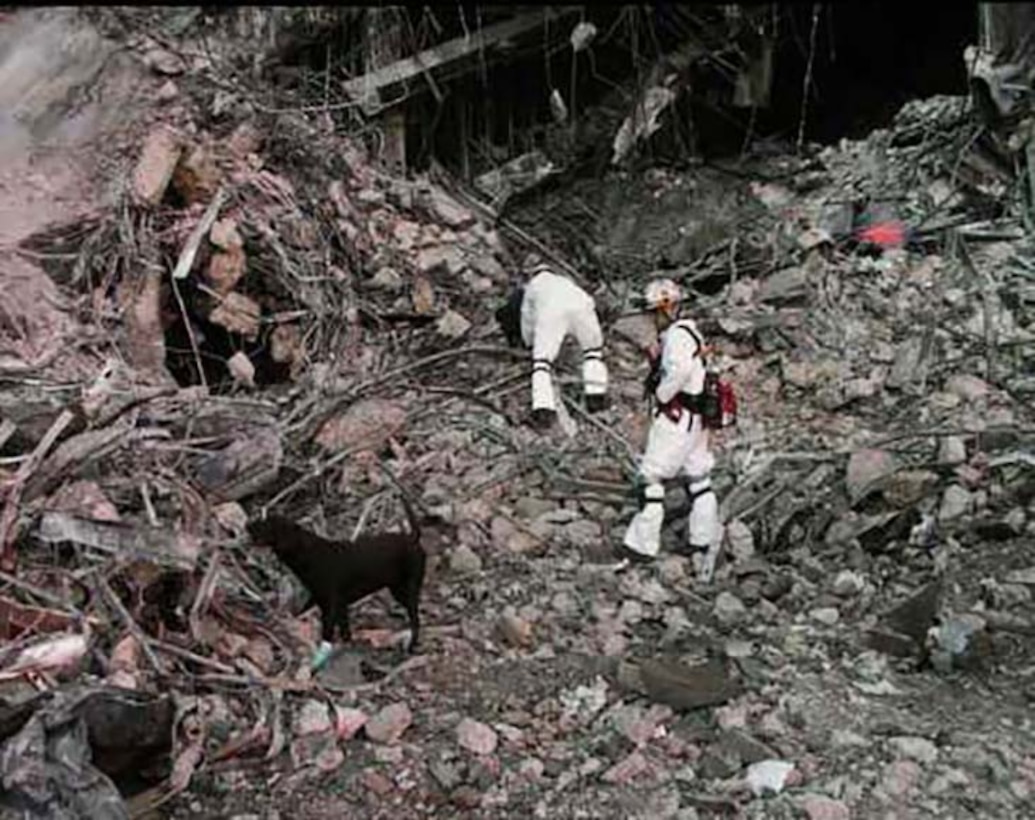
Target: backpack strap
<point>693,335</point>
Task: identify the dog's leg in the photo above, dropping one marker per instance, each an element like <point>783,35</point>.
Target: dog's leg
<point>328,622</point>
<point>408,595</point>
<point>343,623</point>
<point>330,617</point>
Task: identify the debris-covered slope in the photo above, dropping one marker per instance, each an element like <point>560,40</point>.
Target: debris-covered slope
<point>245,312</point>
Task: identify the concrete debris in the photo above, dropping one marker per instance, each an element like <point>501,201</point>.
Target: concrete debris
<point>688,687</point>
<point>334,317</point>
<point>366,425</point>
<point>226,269</point>
<point>768,776</point>
<point>242,369</point>
<point>452,325</point>
<point>644,120</point>
<point>388,725</point>
<point>515,176</point>
<point>476,737</point>
<point>238,314</point>
<point>866,468</point>
<point>157,163</point>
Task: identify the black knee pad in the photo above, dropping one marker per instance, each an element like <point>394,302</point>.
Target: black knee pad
<point>594,404</point>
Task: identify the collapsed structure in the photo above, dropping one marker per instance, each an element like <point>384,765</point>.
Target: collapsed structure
<point>219,300</point>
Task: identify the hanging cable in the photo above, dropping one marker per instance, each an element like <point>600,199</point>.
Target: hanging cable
<point>808,76</point>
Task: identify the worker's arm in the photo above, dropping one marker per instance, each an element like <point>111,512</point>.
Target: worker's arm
<point>679,358</point>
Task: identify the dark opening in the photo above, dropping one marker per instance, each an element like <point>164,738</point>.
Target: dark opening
<point>868,60</point>
<point>215,345</point>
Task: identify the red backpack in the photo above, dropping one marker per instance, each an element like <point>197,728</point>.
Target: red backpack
<point>718,400</point>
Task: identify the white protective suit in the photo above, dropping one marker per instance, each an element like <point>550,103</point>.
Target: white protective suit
<point>554,306</point>
<point>677,445</point>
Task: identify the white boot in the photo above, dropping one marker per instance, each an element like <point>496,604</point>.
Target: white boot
<point>543,397</point>
<point>643,536</point>
<point>703,524</point>
<point>704,533</point>
<point>594,380</point>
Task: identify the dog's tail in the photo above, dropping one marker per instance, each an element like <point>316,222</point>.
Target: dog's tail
<point>411,516</point>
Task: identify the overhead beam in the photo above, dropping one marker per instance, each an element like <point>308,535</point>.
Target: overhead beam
<point>367,89</point>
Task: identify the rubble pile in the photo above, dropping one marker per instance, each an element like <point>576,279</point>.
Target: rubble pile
<point>872,604</point>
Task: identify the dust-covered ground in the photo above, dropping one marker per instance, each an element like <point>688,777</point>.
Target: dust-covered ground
<point>864,649</point>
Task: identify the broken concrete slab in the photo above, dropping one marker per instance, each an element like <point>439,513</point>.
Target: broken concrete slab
<point>158,160</point>
<point>238,314</point>
<point>366,425</point>
<point>226,269</point>
<point>866,470</point>
<point>688,687</point>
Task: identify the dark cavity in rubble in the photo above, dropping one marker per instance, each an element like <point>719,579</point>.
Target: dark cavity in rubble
<point>216,345</point>
<point>869,59</point>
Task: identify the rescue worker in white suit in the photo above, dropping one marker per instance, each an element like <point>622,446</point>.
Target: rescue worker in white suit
<point>677,441</point>
<point>540,315</point>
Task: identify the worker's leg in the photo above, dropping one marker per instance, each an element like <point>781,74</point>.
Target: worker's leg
<point>549,334</point>
<point>704,533</point>
<point>665,454</point>
<point>586,327</point>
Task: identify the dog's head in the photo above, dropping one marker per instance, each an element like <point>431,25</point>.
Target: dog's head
<point>273,532</point>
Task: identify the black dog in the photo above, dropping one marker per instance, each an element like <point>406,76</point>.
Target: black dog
<point>339,573</point>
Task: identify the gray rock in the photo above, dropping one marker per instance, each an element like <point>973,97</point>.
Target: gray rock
<point>464,561</point>
<point>866,468</point>
<point>819,807</point>
<point>919,749</point>
<point>740,539</point>
<point>452,325</point>
<point>388,279</point>
<point>747,749</point>
<point>688,687</point>
<point>729,609</point>
<point>967,387</point>
<point>828,616</point>
<point>907,364</point>
<point>900,778</point>
<point>583,534</point>
<point>447,774</point>
<point>531,508</point>
<point>956,502</point>
<point>786,284</point>
<point>1021,576</point>
<point>952,450</point>
<point>908,487</point>
<point>388,725</point>
<point>715,765</point>
<point>476,737</point>
<point>848,584</point>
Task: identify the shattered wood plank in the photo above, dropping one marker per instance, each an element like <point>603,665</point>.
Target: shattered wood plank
<point>366,89</point>
<point>159,545</point>
<point>9,518</point>
<point>190,249</point>
<point>18,619</point>
<point>7,429</point>
<point>72,454</point>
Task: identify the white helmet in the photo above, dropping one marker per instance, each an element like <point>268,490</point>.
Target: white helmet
<point>662,293</point>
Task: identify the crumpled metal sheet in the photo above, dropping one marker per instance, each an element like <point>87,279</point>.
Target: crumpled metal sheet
<point>48,770</point>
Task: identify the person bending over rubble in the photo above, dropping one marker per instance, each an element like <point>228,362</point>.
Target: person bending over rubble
<point>540,314</point>
<point>678,437</point>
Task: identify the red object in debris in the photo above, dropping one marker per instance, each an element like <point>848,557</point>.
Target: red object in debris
<point>886,234</point>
